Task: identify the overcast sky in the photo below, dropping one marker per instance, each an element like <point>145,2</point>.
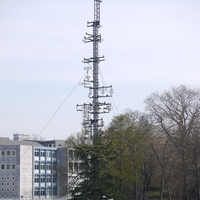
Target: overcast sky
<point>149,45</point>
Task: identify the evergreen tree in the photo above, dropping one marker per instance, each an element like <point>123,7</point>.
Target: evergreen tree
<point>94,181</point>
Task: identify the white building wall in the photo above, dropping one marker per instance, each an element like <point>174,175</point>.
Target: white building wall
<point>26,171</point>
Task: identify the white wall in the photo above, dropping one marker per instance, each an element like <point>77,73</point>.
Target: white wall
<point>26,171</point>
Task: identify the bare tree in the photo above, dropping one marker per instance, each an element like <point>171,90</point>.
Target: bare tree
<point>74,139</point>
<point>163,150</point>
<point>177,112</point>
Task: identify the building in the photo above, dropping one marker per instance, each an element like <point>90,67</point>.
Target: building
<point>29,168</point>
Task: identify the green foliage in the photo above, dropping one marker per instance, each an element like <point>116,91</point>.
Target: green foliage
<point>129,139</point>
<point>113,165</point>
<point>96,180</point>
<point>145,156</point>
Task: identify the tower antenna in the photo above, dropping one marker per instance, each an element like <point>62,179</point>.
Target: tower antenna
<point>91,123</point>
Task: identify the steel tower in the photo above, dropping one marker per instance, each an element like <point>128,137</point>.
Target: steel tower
<point>91,121</point>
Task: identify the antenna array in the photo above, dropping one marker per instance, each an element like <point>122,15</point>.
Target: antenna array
<point>92,124</point>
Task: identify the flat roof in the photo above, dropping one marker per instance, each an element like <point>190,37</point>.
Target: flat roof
<point>45,143</point>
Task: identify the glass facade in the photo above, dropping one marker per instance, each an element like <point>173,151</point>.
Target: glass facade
<point>45,177</point>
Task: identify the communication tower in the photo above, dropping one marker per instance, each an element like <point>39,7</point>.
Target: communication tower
<point>92,123</point>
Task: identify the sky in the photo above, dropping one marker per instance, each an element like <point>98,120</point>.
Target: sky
<point>149,46</point>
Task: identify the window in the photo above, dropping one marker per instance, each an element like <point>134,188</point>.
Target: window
<point>48,166</point>
<point>54,179</point>
<point>36,166</point>
<point>8,153</point>
<point>36,179</point>
<point>13,153</point>
<point>36,192</point>
<point>7,166</point>
<point>8,184</point>
<point>76,167</point>
<point>54,167</point>
<point>2,153</point>
<point>54,191</point>
<point>13,166</point>
<point>2,166</point>
<point>42,191</point>
<point>75,155</point>
<point>36,153</point>
<point>42,179</point>
<point>54,154</point>
<point>48,179</point>
<point>48,191</point>
<point>42,166</point>
<point>71,154</point>
<point>71,167</point>
<point>48,153</point>
<point>42,153</point>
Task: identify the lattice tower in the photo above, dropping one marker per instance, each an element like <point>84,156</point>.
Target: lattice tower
<point>92,124</point>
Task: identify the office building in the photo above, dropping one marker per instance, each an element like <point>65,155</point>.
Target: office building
<point>29,168</point>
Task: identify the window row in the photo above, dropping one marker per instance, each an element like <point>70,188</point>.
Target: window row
<point>45,166</point>
<point>8,153</point>
<point>8,166</point>
<point>8,189</point>
<point>45,192</point>
<point>75,167</point>
<point>7,195</point>
<point>45,153</point>
<point>7,177</point>
<point>4,184</point>
<point>45,179</point>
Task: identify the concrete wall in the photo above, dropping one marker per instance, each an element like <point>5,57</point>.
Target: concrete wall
<point>26,171</point>
<point>10,175</point>
<point>62,170</point>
